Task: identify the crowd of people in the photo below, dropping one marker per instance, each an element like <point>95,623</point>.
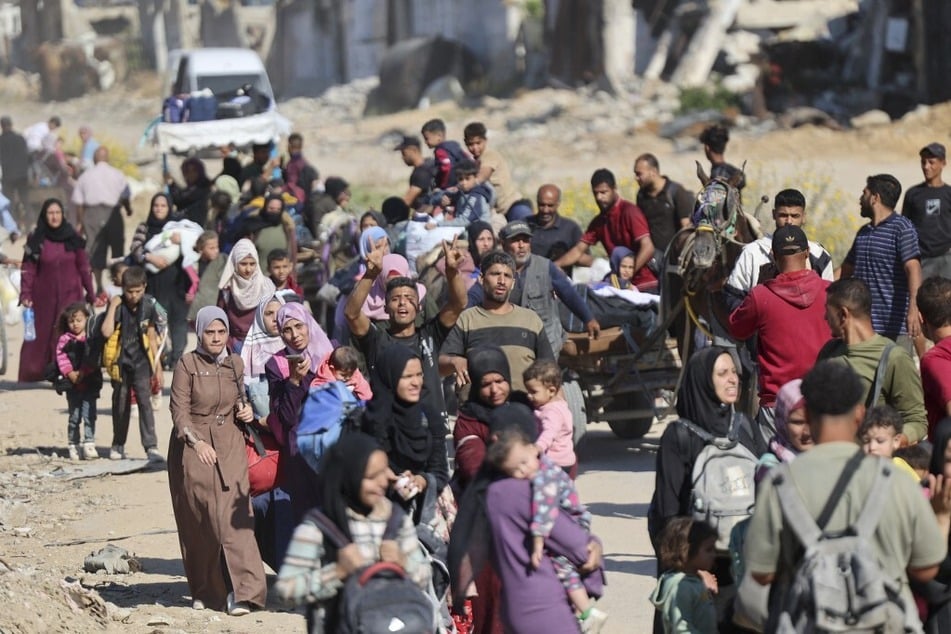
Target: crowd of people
<point>292,292</point>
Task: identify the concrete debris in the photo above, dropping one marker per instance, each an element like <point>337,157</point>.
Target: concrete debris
<point>871,119</point>
<point>112,560</point>
<point>81,599</point>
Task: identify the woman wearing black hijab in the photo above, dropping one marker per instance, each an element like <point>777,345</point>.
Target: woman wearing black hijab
<point>491,387</point>
<point>169,283</point>
<point>412,436</point>
<point>55,274</point>
<point>706,398</point>
<point>354,483</point>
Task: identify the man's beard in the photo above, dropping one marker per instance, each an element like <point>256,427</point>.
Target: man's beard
<point>866,210</point>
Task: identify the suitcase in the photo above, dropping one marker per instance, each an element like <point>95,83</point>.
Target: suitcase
<point>236,107</point>
<point>200,108</point>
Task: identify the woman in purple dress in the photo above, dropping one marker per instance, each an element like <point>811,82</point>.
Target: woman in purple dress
<point>55,274</point>
<point>494,524</point>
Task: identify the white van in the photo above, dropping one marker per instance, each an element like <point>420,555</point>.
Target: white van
<point>220,70</point>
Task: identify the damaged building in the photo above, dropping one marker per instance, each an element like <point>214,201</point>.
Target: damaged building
<point>841,57</point>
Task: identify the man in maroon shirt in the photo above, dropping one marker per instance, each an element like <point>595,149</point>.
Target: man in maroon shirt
<point>619,224</point>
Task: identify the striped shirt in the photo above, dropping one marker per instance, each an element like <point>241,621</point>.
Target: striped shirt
<point>305,577</point>
<point>879,254</point>
<point>520,334</point>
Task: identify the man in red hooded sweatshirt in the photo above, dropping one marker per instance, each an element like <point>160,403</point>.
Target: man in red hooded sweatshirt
<point>788,314</point>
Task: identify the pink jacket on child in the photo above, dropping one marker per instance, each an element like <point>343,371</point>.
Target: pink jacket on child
<point>62,359</point>
<point>555,432</point>
<point>357,384</point>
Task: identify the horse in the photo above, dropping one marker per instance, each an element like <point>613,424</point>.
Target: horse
<point>698,262</point>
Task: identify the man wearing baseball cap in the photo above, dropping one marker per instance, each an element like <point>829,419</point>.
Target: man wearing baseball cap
<point>538,283</point>
<point>788,314</point>
<point>421,178</point>
<point>928,206</point>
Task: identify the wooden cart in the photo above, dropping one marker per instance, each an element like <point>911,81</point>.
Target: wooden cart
<point>618,378</point>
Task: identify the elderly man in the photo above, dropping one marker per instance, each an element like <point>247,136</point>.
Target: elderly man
<point>553,235</point>
<point>538,282</point>
<point>98,191</point>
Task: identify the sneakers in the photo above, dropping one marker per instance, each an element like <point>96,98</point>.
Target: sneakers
<point>154,455</point>
<point>198,604</point>
<point>594,621</point>
<point>73,453</point>
<point>236,608</point>
<point>90,452</point>
<point>117,452</point>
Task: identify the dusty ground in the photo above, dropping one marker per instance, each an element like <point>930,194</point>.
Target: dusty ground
<point>43,515</point>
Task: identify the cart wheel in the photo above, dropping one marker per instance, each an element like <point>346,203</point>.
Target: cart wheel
<point>579,414</point>
<point>631,428</point>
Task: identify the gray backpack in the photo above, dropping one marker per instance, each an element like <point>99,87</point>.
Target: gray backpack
<point>723,492</point>
<point>839,584</point>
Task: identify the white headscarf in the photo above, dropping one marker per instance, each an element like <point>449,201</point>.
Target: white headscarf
<point>247,294</point>
<point>203,319</point>
<point>260,345</point>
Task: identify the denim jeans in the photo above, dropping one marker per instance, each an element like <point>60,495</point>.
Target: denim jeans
<point>82,408</point>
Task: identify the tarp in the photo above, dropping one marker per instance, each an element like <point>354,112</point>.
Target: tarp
<point>191,137</point>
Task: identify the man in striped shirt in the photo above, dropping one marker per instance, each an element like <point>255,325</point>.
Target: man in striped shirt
<point>885,255</point>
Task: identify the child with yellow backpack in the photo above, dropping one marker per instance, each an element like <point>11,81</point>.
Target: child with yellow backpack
<point>131,328</point>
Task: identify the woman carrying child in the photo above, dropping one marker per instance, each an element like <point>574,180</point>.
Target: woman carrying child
<point>169,285</point>
<point>84,382</point>
<point>242,287</point>
<point>513,453</point>
<point>494,522</point>
<point>684,594</point>
<point>208,474</point>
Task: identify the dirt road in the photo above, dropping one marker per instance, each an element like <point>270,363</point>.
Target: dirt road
<point>43,515</point>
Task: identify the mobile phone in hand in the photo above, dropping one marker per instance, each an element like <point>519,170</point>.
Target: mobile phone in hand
<point>295,358</point>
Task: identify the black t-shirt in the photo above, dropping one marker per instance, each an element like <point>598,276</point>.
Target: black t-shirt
<point>665,210</point>
<point>929,209</point>
<point>427,341</point>
<point>422,177</point>
<point>554,241</point>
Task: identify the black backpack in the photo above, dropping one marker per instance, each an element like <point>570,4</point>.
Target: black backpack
<point>378,599</point>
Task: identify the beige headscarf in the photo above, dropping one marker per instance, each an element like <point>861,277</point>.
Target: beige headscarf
<point>247,293</point>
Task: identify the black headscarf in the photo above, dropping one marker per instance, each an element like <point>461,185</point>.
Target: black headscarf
<point>155,225</point>
<point>64,233</point>
<point>697,400</point>
<point>201,176</point>
<point>341,476</point>
<point>471,536</point>
<point>473,231</point>
<point>939,443</point>
<point>269,218</point>
<point>485,360</point>
<point>392,421</point>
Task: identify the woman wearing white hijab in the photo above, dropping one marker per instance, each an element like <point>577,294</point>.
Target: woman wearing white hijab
<point>208,474</point>
<point>242,287</point>
<point>262,342</point>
